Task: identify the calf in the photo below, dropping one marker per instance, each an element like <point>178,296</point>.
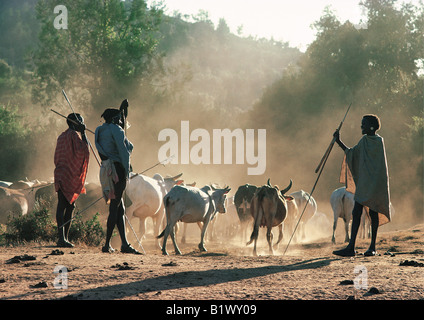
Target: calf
<point>301,199</point>
<point>242,199</point>
<point>189,205</point>
<point>146,196</point>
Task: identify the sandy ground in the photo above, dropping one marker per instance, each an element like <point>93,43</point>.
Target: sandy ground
<point>227,271</point>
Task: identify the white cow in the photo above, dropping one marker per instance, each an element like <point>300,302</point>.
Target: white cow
<point>190,205</point>
<point>303,199</point>
<point>146,196</point>
<point>5,184</point>
<point>342,203</point>
<point>15,203</point>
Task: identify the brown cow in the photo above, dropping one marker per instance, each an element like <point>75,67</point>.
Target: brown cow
<point>269,209</point>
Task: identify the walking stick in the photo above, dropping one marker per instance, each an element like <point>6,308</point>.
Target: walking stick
<point>320,168</point>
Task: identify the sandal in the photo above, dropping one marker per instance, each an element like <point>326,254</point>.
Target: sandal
<point>344,252</point>
<point>62,243</point>
<point>108,249</point>
<point>370,253</point>
<point>129,249</point>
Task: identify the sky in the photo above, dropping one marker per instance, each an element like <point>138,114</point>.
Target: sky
<point>283,20</point>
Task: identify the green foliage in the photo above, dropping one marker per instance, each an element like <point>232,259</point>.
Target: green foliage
<point>108,47</point>
<point>19,31</point>
<point>15,143</point>
<point>39,226</point>
<point>89,232</point>
<point>35,226</point>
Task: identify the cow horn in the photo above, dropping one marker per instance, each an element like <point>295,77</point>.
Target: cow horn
<point>288,188</point>
<point>177,176</point>
<point>268,183</point>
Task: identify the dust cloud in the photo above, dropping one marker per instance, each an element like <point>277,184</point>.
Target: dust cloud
<point>291,153</point>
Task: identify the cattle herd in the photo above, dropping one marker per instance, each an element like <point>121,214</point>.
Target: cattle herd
<point>172,204</point>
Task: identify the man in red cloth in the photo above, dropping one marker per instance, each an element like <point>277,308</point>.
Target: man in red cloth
<point>71,161</point>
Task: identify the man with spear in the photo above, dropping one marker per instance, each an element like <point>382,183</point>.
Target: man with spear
<point>71,162</point>
<point>115,150</point>
<point>365,173</point>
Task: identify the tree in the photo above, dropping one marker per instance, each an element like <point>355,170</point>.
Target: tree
<point>394,43</point>
<point>373,67</point>
<point>109,46</point>
<point>19,30</point>
<point>15,144</point>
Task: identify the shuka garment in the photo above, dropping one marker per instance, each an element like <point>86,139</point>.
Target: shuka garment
<point>365,173</point>
<point>71,160</point>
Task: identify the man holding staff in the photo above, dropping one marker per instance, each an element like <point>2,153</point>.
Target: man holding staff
<point>114,149</point>
<point>71,163</point>
<point>365,173</point>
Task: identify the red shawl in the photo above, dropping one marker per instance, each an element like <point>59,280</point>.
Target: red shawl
<point>71,161</point>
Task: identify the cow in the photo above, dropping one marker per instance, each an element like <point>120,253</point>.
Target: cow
<point>302,199</point>
<point>228,224</point>
<point>145,195</point>
<point>15,203</point>
<point>46,197</point>
<point>342,203</point>
<point>292,215</point>
<point>269,209</point>
<point>242,200</point>
<point>190,205</point>
<point>5,184</point>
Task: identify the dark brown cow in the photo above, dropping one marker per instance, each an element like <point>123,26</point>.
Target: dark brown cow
<point>269,209</point>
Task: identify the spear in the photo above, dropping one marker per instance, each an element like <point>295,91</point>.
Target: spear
<point>73,121</point>
<point>128,220</point>
<point>320,168</point>
<point>330,147</point>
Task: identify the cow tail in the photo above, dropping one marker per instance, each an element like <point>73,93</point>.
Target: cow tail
<point>253,208</point>
<point>166,202</point>
<point>161,235</point>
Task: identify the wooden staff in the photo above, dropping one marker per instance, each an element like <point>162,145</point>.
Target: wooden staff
<point>320,168</point>
<point>330,147</point>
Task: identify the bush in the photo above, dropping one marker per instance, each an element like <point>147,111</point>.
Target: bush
<point>89,232</point>
<point>35,226</point>
<point>39,226</point>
